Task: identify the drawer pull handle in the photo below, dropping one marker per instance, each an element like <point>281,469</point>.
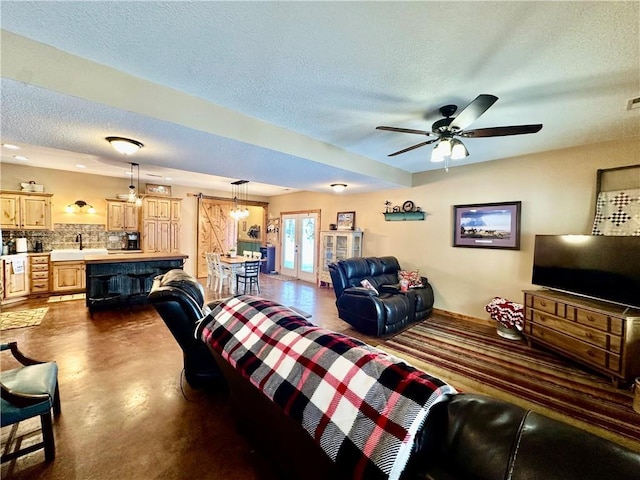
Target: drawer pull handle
<point>590,318</point>
<point>590,353</point>
<point>588,335</point>
<point>543,303</point>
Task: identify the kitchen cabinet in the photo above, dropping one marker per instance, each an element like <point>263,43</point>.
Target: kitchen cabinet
<point>123,216</point>
<point>161,225</point>
<point>39,273</point>
<point>600,335</point>
<point>16,276</point>
<point>21,211</point>
<point>337,245</point>
<point>68,276</point>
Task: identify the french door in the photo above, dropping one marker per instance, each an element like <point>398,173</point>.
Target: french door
<point>299,245</point>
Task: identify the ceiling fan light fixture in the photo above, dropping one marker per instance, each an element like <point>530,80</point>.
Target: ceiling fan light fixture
<point>125,146</point>
<point>338,187</point>
<point>458,151</point>
<point>436,155</point>
<point>445,147</point>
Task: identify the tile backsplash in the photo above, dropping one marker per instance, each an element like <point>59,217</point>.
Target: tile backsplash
<point>64,235</point>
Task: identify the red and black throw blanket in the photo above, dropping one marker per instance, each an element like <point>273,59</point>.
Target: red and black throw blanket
<point>362,406</point>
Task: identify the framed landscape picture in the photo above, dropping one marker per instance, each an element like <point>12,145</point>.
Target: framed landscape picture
<point>487,225</point>
<point>346,220</point>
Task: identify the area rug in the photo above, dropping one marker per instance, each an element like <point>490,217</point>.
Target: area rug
<point>22,318</point>
<point>66,298</point>
<point>473,358</point>
<point>282,278</point>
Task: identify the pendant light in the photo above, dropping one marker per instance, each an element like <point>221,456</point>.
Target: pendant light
<point>239,195</point>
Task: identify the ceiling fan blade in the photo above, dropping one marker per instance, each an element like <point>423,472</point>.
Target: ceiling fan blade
<point>418,145</point>
<point>403,130</point>
<point>473,111</point>
<point>502,131</point>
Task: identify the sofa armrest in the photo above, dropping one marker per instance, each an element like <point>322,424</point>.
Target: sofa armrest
<point>361,291</point>
<point>390,288</point>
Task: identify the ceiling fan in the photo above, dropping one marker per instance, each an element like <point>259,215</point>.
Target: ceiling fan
<point>446,129</point>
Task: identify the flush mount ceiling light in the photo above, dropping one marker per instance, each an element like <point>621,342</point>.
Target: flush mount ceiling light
<point>125,146</point>
<point>78,205</point>
<point>338,187</point>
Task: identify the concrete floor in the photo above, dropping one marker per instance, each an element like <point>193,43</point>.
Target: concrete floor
<point>127,413</point>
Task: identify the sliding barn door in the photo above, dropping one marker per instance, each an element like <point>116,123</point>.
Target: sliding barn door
<point>217,231</point>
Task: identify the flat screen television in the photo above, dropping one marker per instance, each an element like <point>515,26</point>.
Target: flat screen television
<point>600,267</point>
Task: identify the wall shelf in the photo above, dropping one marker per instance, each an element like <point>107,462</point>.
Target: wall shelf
<point>403,216</point>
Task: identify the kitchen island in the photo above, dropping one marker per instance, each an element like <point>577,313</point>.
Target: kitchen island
<point>120,279</point>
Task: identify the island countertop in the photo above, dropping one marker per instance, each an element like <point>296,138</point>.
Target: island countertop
<point>133,257</point>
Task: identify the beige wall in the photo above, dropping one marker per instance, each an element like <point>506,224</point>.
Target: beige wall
<point>256,214</point>
<point>557,191</point>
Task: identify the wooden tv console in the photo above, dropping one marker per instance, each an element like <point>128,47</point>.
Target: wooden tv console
<point>600,335</point>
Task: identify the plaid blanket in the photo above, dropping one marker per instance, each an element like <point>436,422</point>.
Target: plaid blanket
<point>362,406</point>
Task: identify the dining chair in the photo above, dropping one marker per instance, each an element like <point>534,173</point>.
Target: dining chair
<point>210,269</point>
<point>29,391</point>
<point>250,276</point>
<point>247,254</point>
<point>220,274</point>
<point>257,255</point>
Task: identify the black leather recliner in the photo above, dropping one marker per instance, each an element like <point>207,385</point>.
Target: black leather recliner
<point>377,314</point>
<point>179,299</point>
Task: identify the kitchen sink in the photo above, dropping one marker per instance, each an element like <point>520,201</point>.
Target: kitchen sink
<point>69,254</point>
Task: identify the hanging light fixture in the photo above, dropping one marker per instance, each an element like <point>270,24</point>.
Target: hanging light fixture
<point>138,201</point>
<point>125,146</point>
<point>134,194</point>
<point>239,195</point>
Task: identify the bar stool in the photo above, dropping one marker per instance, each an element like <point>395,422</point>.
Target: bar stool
<point>102,294</point>
<point>139,283</point>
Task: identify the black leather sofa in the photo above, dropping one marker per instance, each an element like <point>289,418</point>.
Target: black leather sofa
<point>179,299</point>
<point>388,311</point>
<point>467,436</point>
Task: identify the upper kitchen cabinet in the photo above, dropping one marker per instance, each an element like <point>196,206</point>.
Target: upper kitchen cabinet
<point>161,224</point>
<point>122,216</point>
<point>25,211</point>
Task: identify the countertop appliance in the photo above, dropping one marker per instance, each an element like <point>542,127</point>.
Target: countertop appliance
<point>38,247</point>
<point>21,245</point>
<point>133,241</point>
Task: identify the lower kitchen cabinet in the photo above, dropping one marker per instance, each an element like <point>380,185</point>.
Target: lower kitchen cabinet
<point>68,276</point>
<point>16,276</point>
<point>39,273</point>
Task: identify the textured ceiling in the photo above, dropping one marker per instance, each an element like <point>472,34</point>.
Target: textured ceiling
<point>288,94</point>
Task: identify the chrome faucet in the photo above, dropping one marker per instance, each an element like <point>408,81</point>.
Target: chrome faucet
<point>79,239</point>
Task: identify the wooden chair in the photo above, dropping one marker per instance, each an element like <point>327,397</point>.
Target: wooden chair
<point>217,273</point>
<point>29,391</point>
<point>257,255</point>
<point>250,276</point>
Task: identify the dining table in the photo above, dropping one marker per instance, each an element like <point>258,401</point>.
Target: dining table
<point>234,264</point>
